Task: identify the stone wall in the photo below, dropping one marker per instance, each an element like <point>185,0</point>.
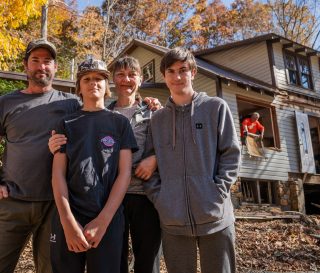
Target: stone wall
<point>283,194</point>
<point>297,195</point>
<point>289,195</point>
<point>236,194</point>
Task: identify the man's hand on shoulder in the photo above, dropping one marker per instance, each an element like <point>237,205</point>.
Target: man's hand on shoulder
<point>56,141</point>
<point>153,103</point>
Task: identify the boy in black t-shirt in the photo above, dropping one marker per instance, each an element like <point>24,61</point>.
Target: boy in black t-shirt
<point>91,174</point>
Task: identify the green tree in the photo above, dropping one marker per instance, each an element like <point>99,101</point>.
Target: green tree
<point>7,86</point>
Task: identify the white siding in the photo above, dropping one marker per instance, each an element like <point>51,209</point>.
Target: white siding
<point>161,94</point>
<point>315,73</point>
<point>202,83</point>
<point>280,73</point>
<point>251,60</point>
<point>278,163</point>
<point>145,56</point>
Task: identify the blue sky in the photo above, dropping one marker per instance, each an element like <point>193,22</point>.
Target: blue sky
<point>83,3</point>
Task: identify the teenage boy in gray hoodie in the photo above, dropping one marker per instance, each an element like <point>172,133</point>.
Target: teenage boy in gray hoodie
<point>198,155</point>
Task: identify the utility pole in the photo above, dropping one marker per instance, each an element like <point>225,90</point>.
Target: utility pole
<point>72,70</point>
<point>44,21</point>
<point>106,23</point>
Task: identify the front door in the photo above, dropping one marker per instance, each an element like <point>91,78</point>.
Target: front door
<point>305,144</point>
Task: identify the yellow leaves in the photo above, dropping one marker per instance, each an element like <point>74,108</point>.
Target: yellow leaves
<point>14,14</point>
<point>195,23</point>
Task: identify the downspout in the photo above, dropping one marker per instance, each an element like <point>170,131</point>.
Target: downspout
<point>219,87</point>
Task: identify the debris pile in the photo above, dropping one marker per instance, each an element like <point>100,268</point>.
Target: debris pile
<point>277,241</point>
<point>267,240</point>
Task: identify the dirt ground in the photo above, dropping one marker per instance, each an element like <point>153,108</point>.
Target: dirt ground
<point>263,244</point>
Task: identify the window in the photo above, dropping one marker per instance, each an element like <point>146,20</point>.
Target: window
<point>292,69</point>
<point>148,72</point>
<point>305,74</point>
<point>246,107</point>
<point>258,191</point>
<point>298,70</point>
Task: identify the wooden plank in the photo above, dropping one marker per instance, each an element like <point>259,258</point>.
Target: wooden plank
<point>258,191</point>
<point>268,217</point>
<point>315,236</point>
<point>269,192</point>
<point>316,205</point>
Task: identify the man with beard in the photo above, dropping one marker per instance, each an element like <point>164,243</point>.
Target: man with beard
<point>26,120</point>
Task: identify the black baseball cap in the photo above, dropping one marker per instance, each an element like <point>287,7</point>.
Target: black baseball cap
<point>41,43</point>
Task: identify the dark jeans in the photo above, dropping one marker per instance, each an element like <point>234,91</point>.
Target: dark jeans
<point>103,259</point>
<point>142,221</point>
<point>18,221</point>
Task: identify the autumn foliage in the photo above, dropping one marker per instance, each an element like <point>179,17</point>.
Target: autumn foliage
<point>104,31</point>
<point>15,14</point>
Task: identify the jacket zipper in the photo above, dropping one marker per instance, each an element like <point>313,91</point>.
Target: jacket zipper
<point>185,174</point>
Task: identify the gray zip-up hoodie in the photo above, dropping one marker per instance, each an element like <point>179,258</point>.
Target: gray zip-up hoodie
<point>198,158</point>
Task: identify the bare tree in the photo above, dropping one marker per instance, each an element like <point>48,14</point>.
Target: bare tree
<point>298,20</point>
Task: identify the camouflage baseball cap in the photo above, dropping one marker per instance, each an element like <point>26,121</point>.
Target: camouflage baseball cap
<point>93,65</point>
<point>41,43</point>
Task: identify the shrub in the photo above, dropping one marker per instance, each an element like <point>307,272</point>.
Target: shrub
<point>7,86</point>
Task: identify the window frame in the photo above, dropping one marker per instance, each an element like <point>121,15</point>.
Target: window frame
<point>273,115</point>
<point>297,58</point>
<point>152,78</point>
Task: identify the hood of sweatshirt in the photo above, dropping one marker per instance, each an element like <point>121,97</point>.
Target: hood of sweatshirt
<point>197,99</point>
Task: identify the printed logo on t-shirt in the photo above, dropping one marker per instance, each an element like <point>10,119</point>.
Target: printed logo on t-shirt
<point>108,141</point>
<point>53,238</point>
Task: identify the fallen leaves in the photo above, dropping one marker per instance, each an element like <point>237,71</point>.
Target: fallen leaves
<point>278,245</point>
<point>281,245</point>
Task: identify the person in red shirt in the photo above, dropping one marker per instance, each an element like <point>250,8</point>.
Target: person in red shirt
<point>252,127</point>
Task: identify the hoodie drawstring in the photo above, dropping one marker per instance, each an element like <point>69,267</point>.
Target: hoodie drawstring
<point>172,107</point>
<point>193,129</point>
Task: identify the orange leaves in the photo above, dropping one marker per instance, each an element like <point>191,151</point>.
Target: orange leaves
<point>250,18</point>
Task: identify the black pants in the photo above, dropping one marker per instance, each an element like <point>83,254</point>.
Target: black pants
<point>142,221</point>
<point>103,259</point>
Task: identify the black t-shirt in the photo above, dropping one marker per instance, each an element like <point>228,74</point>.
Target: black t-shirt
<point>94,143</point>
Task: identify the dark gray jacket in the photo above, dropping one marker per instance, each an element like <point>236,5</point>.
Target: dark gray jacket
<point>198,158</point>
<point>140,124</point>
